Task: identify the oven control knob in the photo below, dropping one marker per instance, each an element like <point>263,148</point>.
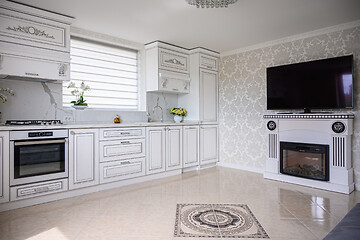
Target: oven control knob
<point>271,125</point>
<point>338,127</point>
<point>41,134</point>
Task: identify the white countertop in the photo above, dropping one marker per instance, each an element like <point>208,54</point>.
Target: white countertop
<point>73,125</point>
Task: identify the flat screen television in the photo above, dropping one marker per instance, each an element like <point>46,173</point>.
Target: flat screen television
<point>320,84</point>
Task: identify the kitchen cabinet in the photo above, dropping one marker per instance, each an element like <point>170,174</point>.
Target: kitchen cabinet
<point>4,166</point>
<point>120,170</point>
<point>208,96</point>
<point>164,148</point>
<point>202,101</point>
<point>33,43</point>
<point>167,68</point>
<point>208,144</point>
<point>122,149</point>
<point>155,149</point>
<point>191,146</point>
<point>173,143</point>
<point>83,158</point>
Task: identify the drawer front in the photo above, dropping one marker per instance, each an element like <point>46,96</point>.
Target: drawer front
<point>122,149</point>
<point>35,31</point>
<point>121,133</point>
<point>120,170</point>
<point>173,61</point>
<point>39,189</point>
<point>209,62</point>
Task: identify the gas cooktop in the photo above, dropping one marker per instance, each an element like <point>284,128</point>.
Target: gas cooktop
<point>33,122</point>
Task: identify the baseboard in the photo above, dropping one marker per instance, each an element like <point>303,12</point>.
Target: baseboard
<point>240,167</point>
<point>357,187</point>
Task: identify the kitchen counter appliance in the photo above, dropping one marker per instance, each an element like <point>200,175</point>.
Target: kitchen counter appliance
<point>38,155</point>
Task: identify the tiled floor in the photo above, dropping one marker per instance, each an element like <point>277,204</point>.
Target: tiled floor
<point>146,211</point>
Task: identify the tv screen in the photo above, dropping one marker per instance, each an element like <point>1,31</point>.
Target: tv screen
<point>321,84</point>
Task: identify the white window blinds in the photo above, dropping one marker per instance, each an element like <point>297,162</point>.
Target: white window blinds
<point>110,71</point>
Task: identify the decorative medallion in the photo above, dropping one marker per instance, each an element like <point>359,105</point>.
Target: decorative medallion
<point>271,125</point>
<point>338,127</point>
<point>30,30</point>
<point>174,61</point>
<point>217,220</point>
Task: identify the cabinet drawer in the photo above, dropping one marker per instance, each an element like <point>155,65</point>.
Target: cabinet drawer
<point>173,61</point>
<point>38,189</point>
<point>122,149</point>
<point>120,170</point>
<point>121,133</point>
<point>33,30</point>
<point>209,62</point>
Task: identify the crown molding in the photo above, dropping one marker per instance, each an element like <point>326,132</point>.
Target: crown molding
<point>293,38</point>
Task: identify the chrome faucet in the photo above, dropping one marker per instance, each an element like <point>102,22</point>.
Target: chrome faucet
<point>162,112</point>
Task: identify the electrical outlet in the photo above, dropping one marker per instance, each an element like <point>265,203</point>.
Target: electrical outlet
<point>68,118</point>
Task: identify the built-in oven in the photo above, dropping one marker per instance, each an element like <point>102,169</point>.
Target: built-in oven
<point>38,155</point>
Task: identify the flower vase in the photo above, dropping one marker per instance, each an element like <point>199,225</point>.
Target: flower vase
<point>178,118</point>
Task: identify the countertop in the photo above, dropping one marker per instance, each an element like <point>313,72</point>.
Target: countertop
<point>74,125</point>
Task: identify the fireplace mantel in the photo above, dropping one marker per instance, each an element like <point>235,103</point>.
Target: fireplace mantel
<point>334,130</point>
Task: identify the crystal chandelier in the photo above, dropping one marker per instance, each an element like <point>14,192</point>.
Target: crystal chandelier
<point>210,3</point>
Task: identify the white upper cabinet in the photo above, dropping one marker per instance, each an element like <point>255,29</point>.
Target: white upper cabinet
<point>33,43</point>
<point>167,68</point>
<point>209,62</point>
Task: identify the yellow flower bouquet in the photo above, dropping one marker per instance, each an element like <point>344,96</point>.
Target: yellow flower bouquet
<point>178,111</point>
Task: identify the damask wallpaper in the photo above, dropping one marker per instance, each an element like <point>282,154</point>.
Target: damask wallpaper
<point>242,94</point>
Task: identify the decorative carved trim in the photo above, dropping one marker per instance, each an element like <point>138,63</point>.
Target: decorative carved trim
<point>174,61</point>
<point>310,116</point>
<point>30,30</point>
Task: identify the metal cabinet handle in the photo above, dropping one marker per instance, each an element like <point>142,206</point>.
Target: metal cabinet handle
<point>175,89</point>
<point>124,133</point>
<point>32,74</point>
<point>125,163</point>
<point>125,142</point>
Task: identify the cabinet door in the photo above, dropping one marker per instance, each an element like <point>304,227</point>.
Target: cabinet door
<point>208,144</point>
<point>173,148</point>
<point>83,158</point>
<point>174,61</point>
<point>208,96</point>
<point>4,167</point>
<point>155,149</point>
<point>209,62</point>
<point>191,146</point>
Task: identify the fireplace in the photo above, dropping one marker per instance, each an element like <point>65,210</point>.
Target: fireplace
<point>305,160</point>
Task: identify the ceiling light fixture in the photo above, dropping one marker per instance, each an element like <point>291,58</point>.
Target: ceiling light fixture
<point>211,3</point>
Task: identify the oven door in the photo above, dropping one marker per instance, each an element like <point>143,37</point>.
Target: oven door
<point>38,160</point>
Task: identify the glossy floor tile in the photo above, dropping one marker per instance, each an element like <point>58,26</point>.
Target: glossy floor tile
<point>147,211</point>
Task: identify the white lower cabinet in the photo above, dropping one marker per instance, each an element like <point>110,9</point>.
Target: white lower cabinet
<point>173,143</point>
<point>164,148</point>
<point>208,144</point>
<point>120,170</point>
<point>4,166</point>
<point>190,146</point>
<point>83,158</point>
<point>155,150</point>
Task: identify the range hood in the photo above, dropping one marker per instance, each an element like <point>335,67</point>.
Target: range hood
<point>33,69</point>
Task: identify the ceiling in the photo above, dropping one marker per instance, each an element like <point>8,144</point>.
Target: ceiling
<point>242,24</point>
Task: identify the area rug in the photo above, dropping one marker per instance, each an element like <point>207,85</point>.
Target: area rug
<point>217,221</point>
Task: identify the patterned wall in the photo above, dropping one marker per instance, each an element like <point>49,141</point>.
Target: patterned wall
<point>242,93</point>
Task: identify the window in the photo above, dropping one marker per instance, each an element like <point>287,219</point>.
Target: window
<point>110,71</point>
